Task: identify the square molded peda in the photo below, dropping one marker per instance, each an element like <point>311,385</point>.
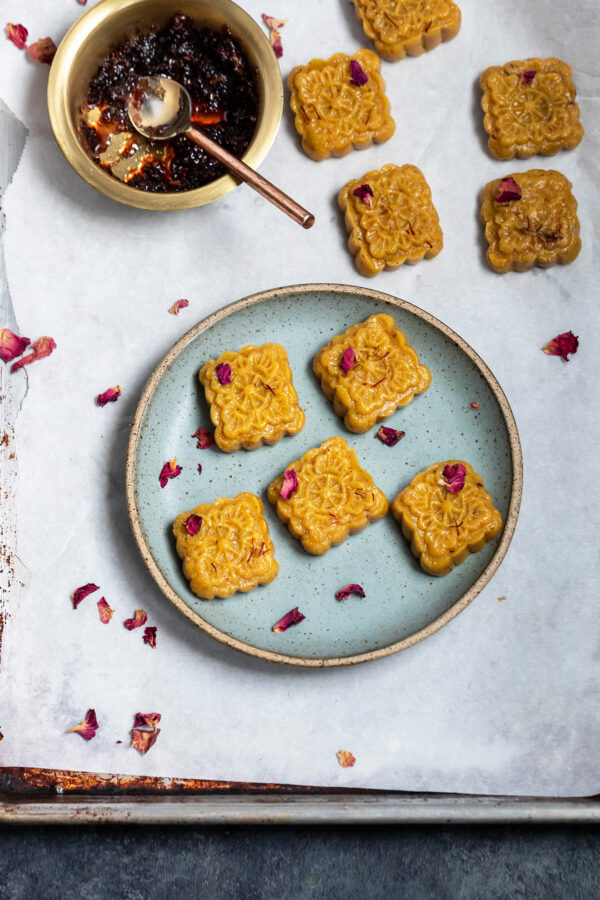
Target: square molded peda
<point>257,403</point>
<point>444,527</point>
<point>387,372</point>
<point>334,115</point>
<point>539,228</point>
<point>400,27</point>
<point>335,497</point>
<point>529,107</point>
<point>231,550</point>
<point>395,223</point>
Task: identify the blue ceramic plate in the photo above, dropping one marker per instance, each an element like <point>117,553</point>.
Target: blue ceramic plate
<point>403,604</point>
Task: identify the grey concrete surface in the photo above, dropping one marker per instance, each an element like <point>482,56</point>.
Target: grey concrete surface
<point>484,863</point>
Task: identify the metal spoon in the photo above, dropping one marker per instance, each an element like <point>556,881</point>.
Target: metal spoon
<point>161,108</point>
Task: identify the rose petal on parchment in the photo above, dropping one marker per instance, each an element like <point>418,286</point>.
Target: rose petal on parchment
<point>39,349</point>
<point>106,613</point>
<point>87,729</point>
<point>150,635</point>
<point>43,50</point>
<point>17,34</point>
<point>562,345</point>
<point>138,620</point>
<point>143,740</point>
<point>110,395</point>
<point>345,759</point>
<point>146,720</point>
<point>178,305</point>
<point>11,345</point>
<point>82,592</point>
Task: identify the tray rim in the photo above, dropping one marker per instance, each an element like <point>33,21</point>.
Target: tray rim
<point>417,636</point>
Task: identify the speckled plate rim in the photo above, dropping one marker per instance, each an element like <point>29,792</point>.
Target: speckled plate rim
<point>417,636</point>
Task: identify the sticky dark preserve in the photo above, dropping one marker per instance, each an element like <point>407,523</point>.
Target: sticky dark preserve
<point>220,80</point>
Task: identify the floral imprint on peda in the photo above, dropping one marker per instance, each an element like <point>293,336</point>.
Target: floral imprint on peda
<point>400,27</point>
<point>538,228</point>
<point>445,524</point>
<point>335,497</point>
<point>529,107</point>
<point>334,113</point>
<point>386,374</point>
<point>252,397</point>
<point>396,223</point>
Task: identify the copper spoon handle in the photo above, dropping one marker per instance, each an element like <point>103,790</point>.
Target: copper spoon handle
<point>256,181</point>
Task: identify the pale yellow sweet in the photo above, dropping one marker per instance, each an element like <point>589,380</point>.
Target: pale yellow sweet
<point>387,375</point>
<point>398,224</point>
<point>232,550</point>
<point>334,116</point>
<point>401,27</point>
<point>335,497</point>
<point>260,405</point>
<point>539,229</point>
<point>444,528</point>
<point>525,115</point>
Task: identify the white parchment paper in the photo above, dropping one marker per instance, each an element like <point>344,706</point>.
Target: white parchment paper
<point>505,698</point>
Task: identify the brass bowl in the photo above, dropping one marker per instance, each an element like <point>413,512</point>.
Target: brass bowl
<point>105,26</point>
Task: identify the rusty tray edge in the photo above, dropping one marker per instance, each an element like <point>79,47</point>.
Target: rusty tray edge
<point>44,796</point>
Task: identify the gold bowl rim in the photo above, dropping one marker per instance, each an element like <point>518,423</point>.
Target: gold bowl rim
<point>416,637</point>
<point>243,26</point>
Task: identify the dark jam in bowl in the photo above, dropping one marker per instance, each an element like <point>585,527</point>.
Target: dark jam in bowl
<point>212,66</point>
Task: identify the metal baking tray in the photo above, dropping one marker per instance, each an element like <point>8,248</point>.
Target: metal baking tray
<point>49,796</point>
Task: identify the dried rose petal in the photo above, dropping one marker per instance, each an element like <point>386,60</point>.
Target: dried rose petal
<point>475,405</point>
<point>359,76</point>
<point>274,25</point>
<point>150,635</point>
<point>169,470</point>
<point>17,34</point>
<point>223,371</point>
<point>199,468</point>
<point>88,728</point>
<point>146,720</point>
<point>204,437</point>
<point>106,613</point>
<point>81,593</point>
<point>390,436</point>
<point>179,304</point>
<point>528,76</point>
<point>508,189</point>
<point>143,740</point>
<point>83,2</point>
<point>348,360</point>
<point>345,759</point>
<point>290,484</point>
<point>347,591</point>
<point>192,524</point>
<point>111,395</point>
<point>454,478</point>
<point>364,193</point>
<point>138,620</point>
<point>43,50</point>
<point>562,345</point>
<point>11,345</point>
<point>291,618</point>
<point>39,349</point>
